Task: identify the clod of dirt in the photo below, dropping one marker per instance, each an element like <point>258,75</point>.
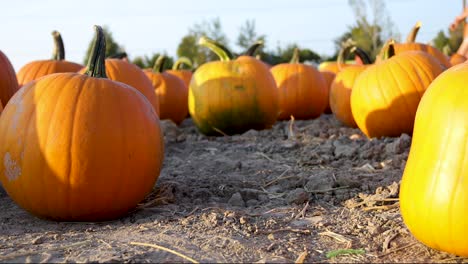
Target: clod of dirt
<point>236,200</point>
<point>297,196</point>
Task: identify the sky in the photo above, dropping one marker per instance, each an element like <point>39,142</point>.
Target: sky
<point>144,27</point>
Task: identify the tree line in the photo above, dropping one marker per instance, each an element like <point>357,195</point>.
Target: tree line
<point>369,33</point>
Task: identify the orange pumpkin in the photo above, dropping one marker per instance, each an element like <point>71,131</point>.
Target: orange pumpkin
<point>128,73</point>
<point>171,91</point>
<point>185,75</point>
<point>232,96</point>
<point>434,186</point>
<point>79,147</point>
<point>412,45</point>
<point>386,95</point>
<point>456,59</point>
<point>302,89</point>
<point>342,85</point>
<point>37,69</point>
<point>8,81</point>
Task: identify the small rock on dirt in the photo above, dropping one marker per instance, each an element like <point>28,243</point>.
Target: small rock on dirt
<point>297,196</point>
<point>236,200</point>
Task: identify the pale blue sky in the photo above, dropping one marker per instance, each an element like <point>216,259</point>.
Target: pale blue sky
<point>151,26</point>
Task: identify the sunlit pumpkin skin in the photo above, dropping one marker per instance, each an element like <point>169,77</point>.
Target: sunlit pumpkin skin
<point>331,66</point>
<point>79,148</point>
<point>128,73</point>
<point>328,77</point>
<point>342,85</point>
<point>434,187</point>
<point>340,94</point>
<point>171,91</point>
<point>386,95</point>
<point>39,68</point>
<point>456,59</point>
<point>8,81</point>
<point>303,93</point>
<point>233,96</point>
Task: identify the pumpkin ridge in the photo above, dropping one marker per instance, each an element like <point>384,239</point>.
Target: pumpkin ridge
<point>69,171</point>
<point>28,125</point>
<point>423,67</point>
<point>396,80</point>
<point>416,83</point>
<point>378,76</point>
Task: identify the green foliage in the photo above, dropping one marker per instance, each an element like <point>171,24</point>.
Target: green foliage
<point>189,47</point>
<point>449,44</point>
<point>339,252</point>
<point>112,47</point>
<point>248,35</point>
<point>369,35</point>
<point>147,62</point>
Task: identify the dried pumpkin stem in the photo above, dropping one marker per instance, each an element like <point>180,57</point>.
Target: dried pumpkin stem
<point>254,48</point>
<point>182,60</point>
<point>223,53</point>
<point>295,57</point>
<point>389,49</point>
<point>96,64</point>
<point>411,38</point>
<point>159,64</point>
<point>59,50</point>
<point>361,54</point>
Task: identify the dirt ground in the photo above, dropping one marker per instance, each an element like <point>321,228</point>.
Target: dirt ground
<point>304,191</point>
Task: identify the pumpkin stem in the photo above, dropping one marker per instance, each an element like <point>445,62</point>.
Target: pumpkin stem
<point>59,50</point>
<point>223,53</point>
<point>389,49</point>
<point>159,64</point>
<point>411,38</point>
<point>295,56</point>
<point>361,54</point>
<point>97,62</point>
<point>254,48</point>
<point>182,60</point>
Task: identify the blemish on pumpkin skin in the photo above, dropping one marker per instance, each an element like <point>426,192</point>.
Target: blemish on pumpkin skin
<point>12,168</point>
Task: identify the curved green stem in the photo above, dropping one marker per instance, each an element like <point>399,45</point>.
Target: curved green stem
<point>411,38</point>
<point>159,64</point>
<point>182,60</point>
<point>361,54</point>
<point>388,49</point>
<point>97,63</point>
<point>252,49</point>
<point>223,53</point>
<point>59,50</point>
<point>295,56</point>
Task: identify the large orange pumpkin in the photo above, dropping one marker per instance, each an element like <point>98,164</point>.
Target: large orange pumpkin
<point>184,74</point>
<point>434,187</point>
<point>411,44</point>
<point>232,96</point>
<point>8,81</point>
<point>342,85</point>
<point>386,95</point>
<point>128,73</point>
<point>37,69</point>
<point>171,91</point>
<point>302,89</point>
<point>79,147</point>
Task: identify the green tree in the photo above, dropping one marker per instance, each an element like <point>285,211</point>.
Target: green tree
<point>449,44</point>
<point>284,55</point>
<point>147,62</point>
<point>369,33</point>
<point>189,47</point>
<point>248,35</point>
<point>112,47</point>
